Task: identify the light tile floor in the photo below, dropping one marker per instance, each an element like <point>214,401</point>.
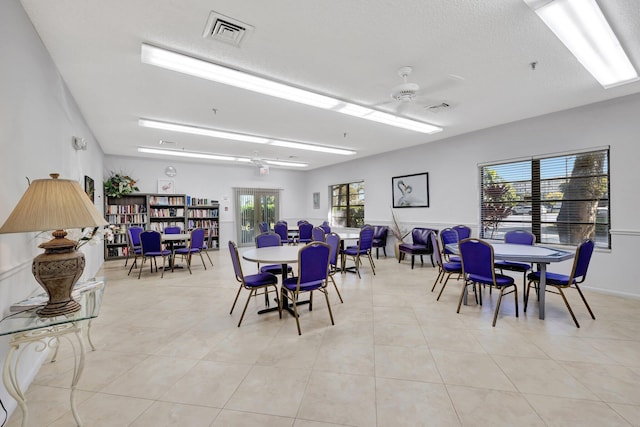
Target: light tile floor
<point>169,354</point>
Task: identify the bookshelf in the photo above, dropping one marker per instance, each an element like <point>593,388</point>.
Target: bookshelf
<point>157,212</point>
<point>166,211</point>
<point>124,212</point>
<point>203,213</point>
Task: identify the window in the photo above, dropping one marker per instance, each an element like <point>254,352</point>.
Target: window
<point>347,204</point>
<point>562,199</point>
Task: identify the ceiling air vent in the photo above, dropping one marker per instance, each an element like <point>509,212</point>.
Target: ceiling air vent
<point>225,29</point>
<point>436,108</point>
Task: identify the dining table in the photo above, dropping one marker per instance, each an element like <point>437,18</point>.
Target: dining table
<point>171,240</point>
<point>283,255</point>
<point>535,254</point>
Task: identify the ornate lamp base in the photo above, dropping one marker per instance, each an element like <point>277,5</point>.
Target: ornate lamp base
<point>57,270</point>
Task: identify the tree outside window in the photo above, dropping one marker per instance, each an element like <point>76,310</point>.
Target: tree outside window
<point>561,199</point>
<point>347,204</point>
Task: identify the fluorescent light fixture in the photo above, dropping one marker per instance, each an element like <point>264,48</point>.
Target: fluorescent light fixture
<point>207,70</point>
<point>191,154</point>
<point>582,27</point>
<point>175,127</point>
<point>310,147</point>
<point>195,130</point>
<point>292,164</point>
<point>207,156</point>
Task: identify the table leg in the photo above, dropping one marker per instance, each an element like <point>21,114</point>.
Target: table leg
<point>542,269</point>
<point>42,341</point>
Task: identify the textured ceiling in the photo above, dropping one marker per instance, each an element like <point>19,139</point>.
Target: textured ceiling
<point>347,49</point>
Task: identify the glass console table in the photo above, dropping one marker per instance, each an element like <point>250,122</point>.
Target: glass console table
<point>26,328</point>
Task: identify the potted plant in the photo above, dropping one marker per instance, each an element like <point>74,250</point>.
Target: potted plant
<point>118,185</point>
<point>399,232</point>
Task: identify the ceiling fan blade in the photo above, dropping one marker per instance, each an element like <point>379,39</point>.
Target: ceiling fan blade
<point>450,82</point>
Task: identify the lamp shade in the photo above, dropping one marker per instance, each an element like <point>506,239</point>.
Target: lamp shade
<point>53,204</point>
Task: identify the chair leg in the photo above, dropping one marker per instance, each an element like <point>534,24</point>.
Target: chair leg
<point>162,274</point>
<point>373,267</point>
<point>584,300</point>
<point>495,315</point>
<point>251,292</point>
<point>295,313</point>
<point>435,283</point>
<point>203,263</point>
<point>326,297</point>
<point>526,296</point>
<point>236,300</point>
<point>432,263</point>
<point>421,260</point>
<point>564,298</point>
<point>141,266</point>
<point>443,286</point>
<point>133,264</point>
<point>413,258</point>
<point>207,254</point>
<point>384,250</point>
<point>464,289</point>
<point>376,255</point>
<point>335,285</point>
<point>189,262</point>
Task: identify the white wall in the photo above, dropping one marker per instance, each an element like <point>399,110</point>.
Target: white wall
<point>454,178</point>
<point>38,118</point>
<point>216,182</point>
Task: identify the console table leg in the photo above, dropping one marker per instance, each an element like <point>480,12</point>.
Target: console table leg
<point>77,372</point>
<point>10,379</point>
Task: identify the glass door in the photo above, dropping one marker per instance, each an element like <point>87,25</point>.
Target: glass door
<point>252,207</point>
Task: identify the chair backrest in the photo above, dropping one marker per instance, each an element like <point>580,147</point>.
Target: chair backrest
<point>436,249</point>
<point>172,230</point>
<point>263,227</point>
<point>477,258</point>
<point>581,261</point>
<point>464,232</point>
<point>197,238</point>
<point>304,230</point>
<point>134,235</point>
<point>151,241</point>
<point>366,238</point>
<point>313,262</point>
<point>448,236</point>
<point>420,236</point>
<point>281,230</point>
<point>333,240</point>
<point>380,233</point>
<point>302,221</point>
<point>317,234</point>
<point>235,259</point>
<point>268,239</point>
<point>326,228</point>
<point>520,237</point>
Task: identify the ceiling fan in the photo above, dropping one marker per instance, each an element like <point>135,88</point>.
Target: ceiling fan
<point>405,94</point>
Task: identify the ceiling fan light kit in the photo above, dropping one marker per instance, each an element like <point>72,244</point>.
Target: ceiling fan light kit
<point>584,30</point>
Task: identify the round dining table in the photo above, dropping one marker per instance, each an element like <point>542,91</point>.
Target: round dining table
<point>282,255</point>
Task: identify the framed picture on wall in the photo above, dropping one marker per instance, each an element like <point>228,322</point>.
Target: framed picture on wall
<point>89,188</point>
<point>166,186</point>
<point>410,191</point>
<point>316,200</point>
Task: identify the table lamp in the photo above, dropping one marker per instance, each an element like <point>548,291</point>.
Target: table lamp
<point>55,204</point>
